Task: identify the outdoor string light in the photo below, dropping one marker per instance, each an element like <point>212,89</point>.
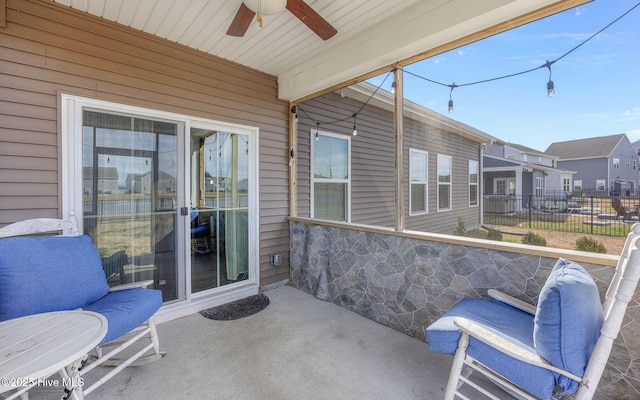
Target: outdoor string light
<point>550,89</point>
<point>547,64</point>
<point>355,130</point>
<point>452,86</point>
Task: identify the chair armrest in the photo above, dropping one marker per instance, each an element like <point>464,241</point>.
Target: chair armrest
<point>509,348</point>
<point>512,301</point>
<point>132,285</point>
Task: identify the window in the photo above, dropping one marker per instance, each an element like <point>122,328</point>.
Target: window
<point>577,185</point>
<point>473,183</point>
<point>444,183</point>
<point>331,176</point>
<point>500,186</point>
<point>600,185</point>
<point>566,185</point>
<point>539,187</point>
<point>418,182</point>
<point>634,164</point>
<point>616,163</point>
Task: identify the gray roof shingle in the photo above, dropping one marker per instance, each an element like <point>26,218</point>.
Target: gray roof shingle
<point>601,146</point>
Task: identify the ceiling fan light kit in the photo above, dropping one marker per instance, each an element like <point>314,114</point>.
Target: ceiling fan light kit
<point>307,15</point>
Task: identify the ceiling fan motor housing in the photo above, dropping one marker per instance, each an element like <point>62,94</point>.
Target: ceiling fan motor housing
<point>266,7</point>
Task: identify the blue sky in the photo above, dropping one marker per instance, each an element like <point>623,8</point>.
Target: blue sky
<point>597,86</point>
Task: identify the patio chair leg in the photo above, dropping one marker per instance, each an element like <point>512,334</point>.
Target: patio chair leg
<point>456,368</point>
<point>153,333</point>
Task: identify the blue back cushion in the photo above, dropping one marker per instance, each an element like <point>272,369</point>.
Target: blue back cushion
<point>568,319</point>
<point>49,274</point>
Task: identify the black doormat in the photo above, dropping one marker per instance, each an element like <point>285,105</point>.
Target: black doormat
<point>237,309</point>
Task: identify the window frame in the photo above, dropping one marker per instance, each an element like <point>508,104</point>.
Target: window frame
<point>616,162</point>
<point>314,180</point>
<point>539,187</point>
<point>601,183</point>
<point>442,157</point>
<point>476,183</point>
<point>577,185</point>
<point>425,183</point>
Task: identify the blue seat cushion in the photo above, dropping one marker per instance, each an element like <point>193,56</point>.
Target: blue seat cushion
<point>51,273</point>
<point>126,309</point>
<point>568,320</point>
<point>501,319</point>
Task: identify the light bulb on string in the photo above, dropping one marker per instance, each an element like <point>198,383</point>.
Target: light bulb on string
<point>355,129</point>
<point>550,87</point>
<point>452,86</point>
<point>317,131</point>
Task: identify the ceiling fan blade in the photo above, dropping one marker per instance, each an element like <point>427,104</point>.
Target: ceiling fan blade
<point>311,18</point>
<point>241,21</point>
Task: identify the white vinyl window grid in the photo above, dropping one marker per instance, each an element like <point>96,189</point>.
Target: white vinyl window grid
<point>600,185</point>
<point>566,185</point>
<point>539,187</point>
<point>415,183</point>
<point>577,185</point>
<point>444,181</point>
<point>474,178</point>
<point>616,163</point>
<point>347,201</point>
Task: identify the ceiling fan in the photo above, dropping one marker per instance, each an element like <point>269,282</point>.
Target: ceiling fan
<point>250,8</point>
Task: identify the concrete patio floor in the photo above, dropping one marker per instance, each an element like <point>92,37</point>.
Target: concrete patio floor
<point>299,347</point>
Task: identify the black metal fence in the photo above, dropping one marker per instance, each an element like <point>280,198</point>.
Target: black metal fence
<point>607,215</point>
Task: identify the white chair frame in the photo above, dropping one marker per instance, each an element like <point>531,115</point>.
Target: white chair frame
<point>145,331</point>
<point>621,289</point>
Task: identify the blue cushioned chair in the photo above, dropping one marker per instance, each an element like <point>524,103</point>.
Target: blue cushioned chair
<point>200,233</point>
<point>556,348</point>
<point>55,273</point>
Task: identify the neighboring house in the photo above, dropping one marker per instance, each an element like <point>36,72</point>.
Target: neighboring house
<point>513,169</point>
<point>106,182</point>
<point>604,165</point>
<point>352,177</point>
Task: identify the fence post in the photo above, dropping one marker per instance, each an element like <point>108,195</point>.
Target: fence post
<point>530,207</point>
<point>591,215</point>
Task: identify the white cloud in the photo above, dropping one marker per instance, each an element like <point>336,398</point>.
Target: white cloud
<point>630,115</point>
<point>461,53</point>
<point>438,60</point>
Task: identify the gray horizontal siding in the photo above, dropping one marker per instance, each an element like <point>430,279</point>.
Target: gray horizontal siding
<point>47,49</point>
<point>373,163</point>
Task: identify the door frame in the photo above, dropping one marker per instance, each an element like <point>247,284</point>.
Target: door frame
<point>70,178</point>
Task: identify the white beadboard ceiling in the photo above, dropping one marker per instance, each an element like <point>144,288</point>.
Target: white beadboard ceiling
<point>371,34</point>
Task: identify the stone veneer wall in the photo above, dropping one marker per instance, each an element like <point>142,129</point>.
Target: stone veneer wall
<point>407,284</point>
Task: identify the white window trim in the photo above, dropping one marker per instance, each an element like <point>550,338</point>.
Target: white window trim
<point>426,183</point>
<point>577,184</point>
<point>603,182</point>
<point>315,180</point>
<point>539,188</point>
<point>450,183</point>
<point>477,184</point>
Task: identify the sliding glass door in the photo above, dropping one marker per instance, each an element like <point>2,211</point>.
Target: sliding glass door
<point>220,208</point>
<point>165,197</point>
<point>129,192</point>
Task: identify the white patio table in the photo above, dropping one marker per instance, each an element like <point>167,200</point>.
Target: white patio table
<point>34,347</point>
